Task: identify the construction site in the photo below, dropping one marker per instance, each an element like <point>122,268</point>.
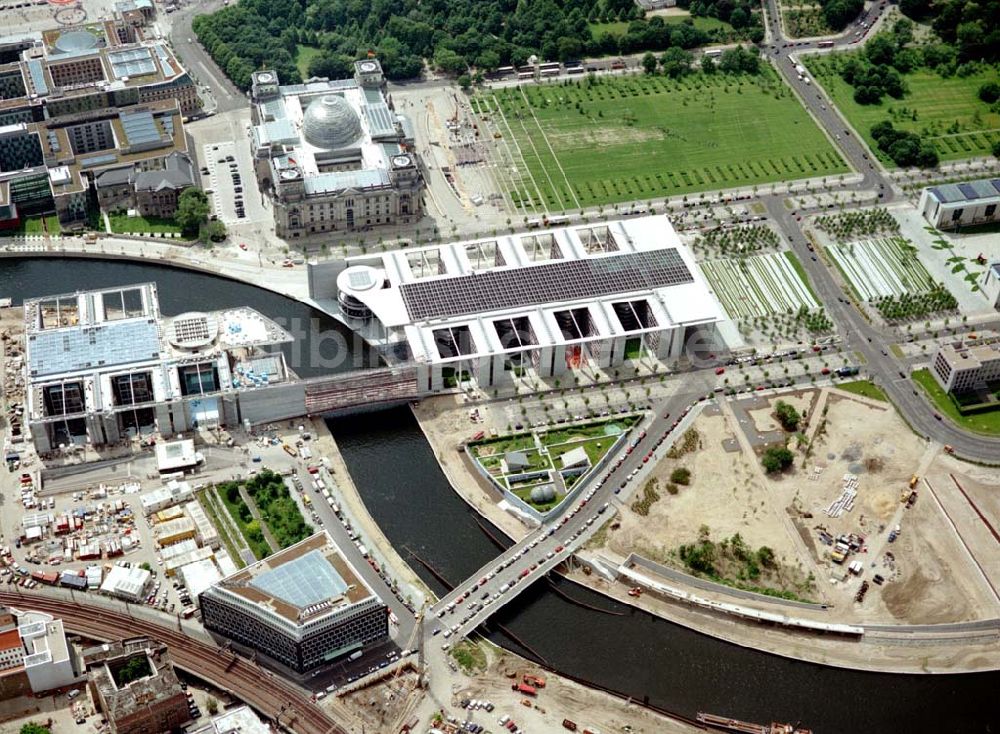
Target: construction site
<point>870,521</point>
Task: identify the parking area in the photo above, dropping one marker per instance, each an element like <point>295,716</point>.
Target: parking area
<point>226,166</point>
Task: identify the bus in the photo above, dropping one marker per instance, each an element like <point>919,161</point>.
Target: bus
<point>824,44</point>
<point>525,76</point>
<point>504,71</point>
<point>549,72</point>
<point>713,52</point>
<point>549,65</point>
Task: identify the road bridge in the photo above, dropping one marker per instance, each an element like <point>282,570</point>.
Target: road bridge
<point>497,583</point>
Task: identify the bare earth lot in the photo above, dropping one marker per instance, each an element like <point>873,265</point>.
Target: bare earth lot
<point>932,574</point>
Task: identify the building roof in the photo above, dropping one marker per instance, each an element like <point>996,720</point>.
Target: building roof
<point>141,694</point>
<point>9,639</point>
<point>971,191</point>
<point>199,576</point>
<point>240,720</point>
<point>330,122</point>
<point>563,285</point>
<point>575,457</point>
<point>177,174</point>
<point>122,581</point>
<point>502,289</point>
<point>304,581</point>
<point>72,350</point>
<point>172,456</point>
<point>964,357</point>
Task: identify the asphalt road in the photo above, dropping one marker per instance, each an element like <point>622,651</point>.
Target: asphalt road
<point>197,61</point>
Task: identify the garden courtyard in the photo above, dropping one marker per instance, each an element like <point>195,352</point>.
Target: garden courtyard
<point>529,463</point>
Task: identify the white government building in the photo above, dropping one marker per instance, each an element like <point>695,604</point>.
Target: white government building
<point>334,154</point>
<point>542,302</point>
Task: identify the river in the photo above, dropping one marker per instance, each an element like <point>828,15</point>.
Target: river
<point>637,654</point>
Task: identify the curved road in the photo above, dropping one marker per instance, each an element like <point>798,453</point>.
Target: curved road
<point>859,334</point>
<point>277,700</point>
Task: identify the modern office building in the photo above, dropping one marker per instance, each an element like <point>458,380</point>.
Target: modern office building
<point>133,684</point>
<point>961,368</point>
<point>539,303</point>
<point>334,155</point>
<point>303,606</point>
<point>950,206</point>
<point>96,107</point>
<point>103,366</point>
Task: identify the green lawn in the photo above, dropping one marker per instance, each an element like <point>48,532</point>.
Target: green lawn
<point>608,140</point>
<point>303,55</point>
<point>936,102</point>
<point>865,388</point>
<point>123,224</point>
<point>987,423</point>
<point>801,272</point>
<point>620,27</point>
<point>39,225</point>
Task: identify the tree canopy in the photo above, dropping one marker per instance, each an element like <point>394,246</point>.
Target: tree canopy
<point>192,210</point>
<point>451,35</point>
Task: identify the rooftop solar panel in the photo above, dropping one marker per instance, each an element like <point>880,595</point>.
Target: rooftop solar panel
<point>56,351</point>
<point>302,582</point>
<point>564,280</point>
<point>968,191</point>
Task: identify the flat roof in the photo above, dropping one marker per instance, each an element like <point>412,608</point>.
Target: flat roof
<point>969,357</point>
<point>53,352</point>
<point>306,579</point>
<point>563,280</point>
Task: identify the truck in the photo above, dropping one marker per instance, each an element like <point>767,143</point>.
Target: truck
<point>847,371</point>
<point>525,689</point>
<point>567,724</point>
<point>533,680</point>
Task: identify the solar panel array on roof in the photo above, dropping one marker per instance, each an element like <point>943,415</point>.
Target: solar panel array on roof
<point>131,62</point>
<point>968,191</point>
<point>140,127</point>
<point>56,351</point>
<point>302,582</point>
<point>564,280</point>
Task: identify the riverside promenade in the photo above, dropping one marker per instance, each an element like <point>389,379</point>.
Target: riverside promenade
<point>245,266</point>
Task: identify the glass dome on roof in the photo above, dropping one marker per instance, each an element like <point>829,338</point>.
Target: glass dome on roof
<point>330,122</point>
<point>72,41</point>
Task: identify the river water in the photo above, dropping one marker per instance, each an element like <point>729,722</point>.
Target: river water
<point>636,654</point>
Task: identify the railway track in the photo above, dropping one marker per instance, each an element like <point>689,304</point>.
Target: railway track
<point>271,696</point>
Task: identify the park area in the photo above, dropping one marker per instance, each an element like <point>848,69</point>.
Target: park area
<point>273,522</point>
<point>943,110</point>
<point>528,463</point>
<point>610,139</point>
<point>886,273</point>
<point>759,285</point>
